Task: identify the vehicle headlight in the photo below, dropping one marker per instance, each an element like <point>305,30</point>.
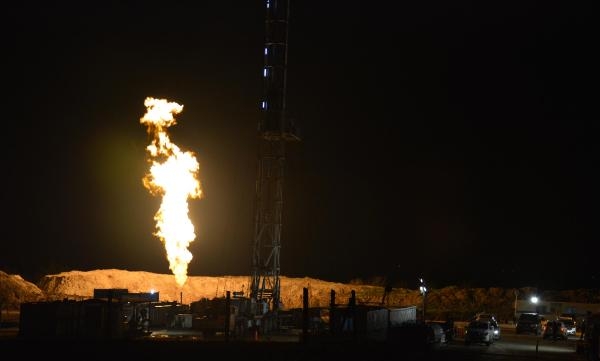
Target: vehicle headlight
<point>495,332</point>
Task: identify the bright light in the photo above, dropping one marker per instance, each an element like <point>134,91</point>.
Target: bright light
<point>152,291</point>
<point>422,287</point>
<point>173,175</point>
<point>534,299</point>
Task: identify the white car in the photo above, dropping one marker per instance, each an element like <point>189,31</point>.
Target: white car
<point>479,332</point>
<point>569,324</point>
<point>492,320</point>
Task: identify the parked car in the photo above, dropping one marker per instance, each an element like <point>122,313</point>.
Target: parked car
<point>447,329</point>
<point>439,336</point>
<point>492,319</point>
<point>479,332</point>
<point>554,329</point>
<point>569,324</point>
<point>529,323</point>
<point>417,335</point>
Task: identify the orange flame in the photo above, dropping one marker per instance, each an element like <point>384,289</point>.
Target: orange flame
<point>173,174</point>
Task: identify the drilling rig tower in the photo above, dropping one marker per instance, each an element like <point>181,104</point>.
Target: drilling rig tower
<point>275,129</point>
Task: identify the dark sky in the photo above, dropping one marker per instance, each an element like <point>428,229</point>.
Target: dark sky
<point>452,140</point>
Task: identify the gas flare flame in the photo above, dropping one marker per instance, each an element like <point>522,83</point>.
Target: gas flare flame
<point>174,175</point>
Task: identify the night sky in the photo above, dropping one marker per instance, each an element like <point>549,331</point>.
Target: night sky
<point>454,141</point>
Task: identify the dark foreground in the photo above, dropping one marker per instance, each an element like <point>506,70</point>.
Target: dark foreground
<point>185,349</point>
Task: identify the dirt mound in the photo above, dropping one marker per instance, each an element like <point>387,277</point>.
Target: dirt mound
<point>14,290</point>
<point>81,284</point>
<point>459,303</point>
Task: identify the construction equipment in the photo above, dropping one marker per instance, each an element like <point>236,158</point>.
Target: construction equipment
<point>275,129</point>
<point>259,310</point>
<point>220,315</point>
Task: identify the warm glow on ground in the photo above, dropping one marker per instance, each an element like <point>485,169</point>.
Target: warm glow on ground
<point>173,175</point>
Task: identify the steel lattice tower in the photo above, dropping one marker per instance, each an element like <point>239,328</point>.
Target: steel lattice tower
<point>274,131</point>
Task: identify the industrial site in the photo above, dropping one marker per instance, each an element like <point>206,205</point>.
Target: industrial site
<point>430,217</point>
<point>117,304</point>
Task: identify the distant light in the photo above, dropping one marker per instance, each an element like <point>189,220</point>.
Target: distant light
<point>534,299</point>
<point>422,287</point>
<point>265,72</point>
<point>152,291</point>
<point>263,104</point>
<point>268,4</point>
<point>266,51</point>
